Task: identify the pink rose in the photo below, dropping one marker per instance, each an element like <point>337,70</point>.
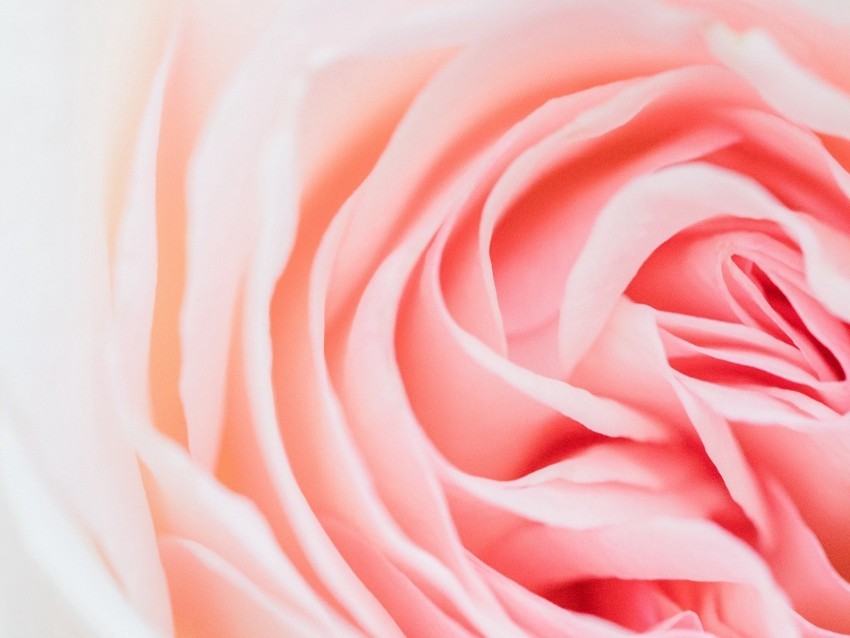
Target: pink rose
<point>430,318</point>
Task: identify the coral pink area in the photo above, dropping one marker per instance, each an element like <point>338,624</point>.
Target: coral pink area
<point>470,319</point>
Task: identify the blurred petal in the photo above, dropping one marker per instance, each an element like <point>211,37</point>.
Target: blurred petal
<point>55,579</point>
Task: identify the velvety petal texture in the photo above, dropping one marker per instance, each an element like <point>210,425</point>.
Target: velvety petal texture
<point>427,318</point>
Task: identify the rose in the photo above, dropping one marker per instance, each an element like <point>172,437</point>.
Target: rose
<point>451,320</point>
<point>499,489</point>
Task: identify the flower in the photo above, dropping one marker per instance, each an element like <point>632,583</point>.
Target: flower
<point>439,319</point>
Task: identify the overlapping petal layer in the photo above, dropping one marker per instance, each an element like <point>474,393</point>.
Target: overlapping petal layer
<point>532,324</point>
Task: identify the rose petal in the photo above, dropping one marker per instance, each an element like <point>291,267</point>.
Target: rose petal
<point>55,578</point>
<point>396,456</point>
<point>57,212</point>
<point>585,162</point>
<point>563,495</point>
<point>195,511</point>
<point>539,556</point>
<point>415,613</point>
<point>669,201</point>
<point>811,466</point>
<point>542,617</point>
<point>447,133</point>
<point>632,323</point>
<point>212,598</point>
<point>781,80</point>
<point>799,563</point>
